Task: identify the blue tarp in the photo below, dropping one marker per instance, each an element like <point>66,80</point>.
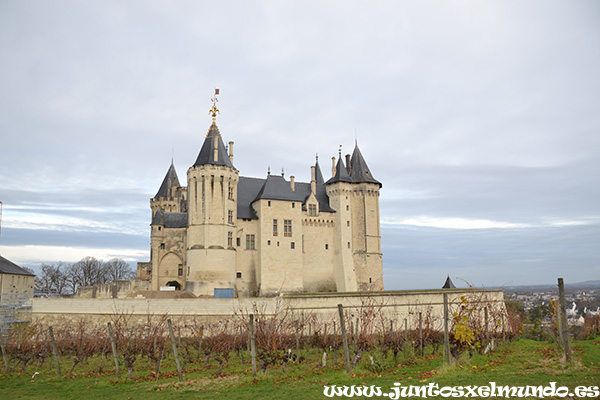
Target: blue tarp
<point>223,293</point>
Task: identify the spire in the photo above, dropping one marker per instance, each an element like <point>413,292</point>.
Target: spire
<point>360,171</point>
<point>340,173</point>
<point>168,183</point>
<point>448,284</point>
<point>318,175</point>
<point>213,149</point>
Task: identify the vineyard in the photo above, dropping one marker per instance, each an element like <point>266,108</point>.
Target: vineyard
<point>278,340</point>
<point>254,354</point>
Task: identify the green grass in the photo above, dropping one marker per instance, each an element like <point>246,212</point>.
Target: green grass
<point>518,363</point>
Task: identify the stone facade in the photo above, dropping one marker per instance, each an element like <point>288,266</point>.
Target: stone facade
<point>263,237</point>
<point>15,280</point>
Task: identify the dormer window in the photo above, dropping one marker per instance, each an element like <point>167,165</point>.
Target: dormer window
<point>312,209</point>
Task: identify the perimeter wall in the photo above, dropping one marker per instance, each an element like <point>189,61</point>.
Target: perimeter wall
<point>392,305</point>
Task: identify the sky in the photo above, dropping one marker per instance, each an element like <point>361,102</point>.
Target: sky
<point>480,118</point>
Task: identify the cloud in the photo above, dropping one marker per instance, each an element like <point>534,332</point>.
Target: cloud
<point>33,256</point>
<point>479,118</point>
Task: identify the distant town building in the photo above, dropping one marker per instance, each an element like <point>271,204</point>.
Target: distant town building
<point>264,236</point>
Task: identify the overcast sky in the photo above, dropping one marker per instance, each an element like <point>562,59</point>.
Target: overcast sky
<point>480,118</point>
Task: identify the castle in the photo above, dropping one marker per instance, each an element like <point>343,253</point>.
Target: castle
<point>262,237</point>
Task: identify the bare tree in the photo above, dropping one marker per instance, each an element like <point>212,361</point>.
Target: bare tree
<point>92,271</point>
<point>117,269</point>
<point>52,278</point>
<point>73,277</point>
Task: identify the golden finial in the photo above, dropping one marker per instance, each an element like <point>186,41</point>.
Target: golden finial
<point>214,110</point>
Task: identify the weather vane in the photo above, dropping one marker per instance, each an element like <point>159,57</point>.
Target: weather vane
<point>214,110</point>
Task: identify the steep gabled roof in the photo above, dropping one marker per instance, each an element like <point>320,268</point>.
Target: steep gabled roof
<point>170,219</point>
<point>247,190</point>
<point>359,170</point>
<point>206,155</point>
<point>9,267</point>
<point>275,188</point>
<point>169,181</point>
<point>341,175</point>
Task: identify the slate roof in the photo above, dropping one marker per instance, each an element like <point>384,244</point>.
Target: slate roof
<point>206,155</point>
<point>448,284</point>
<point>9,267</point>
<point>247,190</point>
<point>170,219</point>
<point>359,170</point>
<point>276,187</point>
<point>341,175</point>
<point>318,175</point>
<point>170,180</point>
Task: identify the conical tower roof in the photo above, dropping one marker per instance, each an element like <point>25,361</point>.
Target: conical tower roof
<point>169,181</point>
<point>207,154</point>
<point>318,174</point>
<point>448,284</point>
<point>359,170</point>
<point>341,175</point>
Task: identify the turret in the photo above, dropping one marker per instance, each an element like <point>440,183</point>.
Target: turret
<point>339,190</point>
<point>212,209</point>
<point>365,220</point>
<point>170,196</point>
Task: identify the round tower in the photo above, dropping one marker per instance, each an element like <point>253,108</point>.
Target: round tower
<point>212,214</point>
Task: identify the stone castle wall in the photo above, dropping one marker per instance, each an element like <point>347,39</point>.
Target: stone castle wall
<point>393,305</point>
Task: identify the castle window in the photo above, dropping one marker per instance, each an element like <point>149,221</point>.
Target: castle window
<point>250,242</point>
<point>326,246</point>
<point>274,227</point>
<point>269,203</point>
<point>238,275</point>
<point>237,242</point>
<point>293,245</point>
<point>230,239</point>
<point>287,227</point>
<point>312,209</point>
<point>268,242</point>
<point>230,216</point>
<point>293,205</point>
<point>162,246</point>
<point>159,228</point>
<point>348,244</point>
<point>347,223</point>
<point>230,195</point>
<point>370,280</point>
<point>180,270</point>
<point>347,208</point>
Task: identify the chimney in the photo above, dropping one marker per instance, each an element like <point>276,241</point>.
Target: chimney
<point>348,163</point>
<point>231,152</point>
<point>332,166</point>
<point>216,149</point>
<point>313,180</point>
<point>293,183</point>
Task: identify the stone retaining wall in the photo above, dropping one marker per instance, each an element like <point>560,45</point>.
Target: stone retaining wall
<point>393,305</point>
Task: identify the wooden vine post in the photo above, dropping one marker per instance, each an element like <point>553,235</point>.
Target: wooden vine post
<point>252,345</point>
<point>446,333</point>
<point>113,345</point>
<point>344,338</point>
<point>563,317</point>
<point>54,351</point>
<point>174,345</point>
